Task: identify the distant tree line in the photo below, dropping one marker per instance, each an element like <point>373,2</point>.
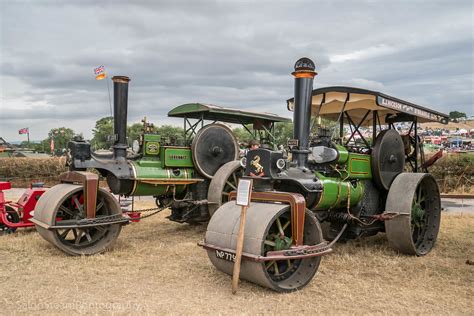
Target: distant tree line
<point>57,141</point>
<point>455,115</point>
<point>103,131</point>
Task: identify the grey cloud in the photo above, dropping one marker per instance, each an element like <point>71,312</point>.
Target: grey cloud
<point>232,53</point>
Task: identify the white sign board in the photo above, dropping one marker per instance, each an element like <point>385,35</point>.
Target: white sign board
<point>243,192</point>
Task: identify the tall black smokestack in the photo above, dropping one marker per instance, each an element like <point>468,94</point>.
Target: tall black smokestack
<point>304,74</point>
<point>120,115</point>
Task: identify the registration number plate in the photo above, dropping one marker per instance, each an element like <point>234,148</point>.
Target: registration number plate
<point>224,255</point>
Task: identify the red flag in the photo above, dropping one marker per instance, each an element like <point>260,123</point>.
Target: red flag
<point>52,145</point>
<point>23,131</point>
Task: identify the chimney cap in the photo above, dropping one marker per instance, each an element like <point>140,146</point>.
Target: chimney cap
<point>304,64</point>
<point>120,79</point>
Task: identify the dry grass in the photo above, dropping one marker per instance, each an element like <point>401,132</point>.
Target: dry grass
<point>156,267</point>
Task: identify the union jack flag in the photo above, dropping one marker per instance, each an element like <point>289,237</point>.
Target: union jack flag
<point>99,70</point>
<point>23,131</point>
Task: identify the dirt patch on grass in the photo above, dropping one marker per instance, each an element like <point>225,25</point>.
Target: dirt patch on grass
<point>156,267</point>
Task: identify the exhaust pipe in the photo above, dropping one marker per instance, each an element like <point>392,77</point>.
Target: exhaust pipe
<point>304,74</point>
<point>120,116</point>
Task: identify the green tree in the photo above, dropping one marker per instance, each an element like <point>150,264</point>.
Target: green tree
<point>60,136</point>
<point>44,146</point>
<point>133,132</point>
<point>169,131</point>
<point>165,131</point>
<point>173,133</point>
<point>103,132</point>
<point>26,144</point>
<point>35,146</point>
<point>283,132</point>
<point>454,115</point>
<point>242,135</point>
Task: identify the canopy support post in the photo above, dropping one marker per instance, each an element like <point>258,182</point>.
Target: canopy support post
<point>191,129</point>
<point>415,123</point>
<point>341,130</point>
<point>185,127</point>
<point>356,128</point>
<point>341,119</point>
<point>374,126</point>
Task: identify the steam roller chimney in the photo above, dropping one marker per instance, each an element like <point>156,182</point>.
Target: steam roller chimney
<point>304,74</point>
<point>120,116</point>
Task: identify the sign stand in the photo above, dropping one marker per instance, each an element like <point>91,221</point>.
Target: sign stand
<point>244,191</point>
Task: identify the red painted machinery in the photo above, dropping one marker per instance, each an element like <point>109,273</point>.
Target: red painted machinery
<point>14,215</point>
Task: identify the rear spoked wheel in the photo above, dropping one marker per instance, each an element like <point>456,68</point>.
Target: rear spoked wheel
<point>66,203</point>
<point>290,274</point>
<point>419,213</point>
<point>279,238</point>
<point>73,209</point>
<point>416,229</point>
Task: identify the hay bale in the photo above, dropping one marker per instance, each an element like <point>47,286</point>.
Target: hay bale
<point>23,171</point>
<point>454,173</point>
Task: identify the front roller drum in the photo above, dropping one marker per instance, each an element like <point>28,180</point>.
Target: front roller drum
<point>66,202</point>
<point>415,198</point>
<point>267,228</point>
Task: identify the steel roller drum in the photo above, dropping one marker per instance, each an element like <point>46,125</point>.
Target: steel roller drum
<point>213,146</point>
<point>223,229</point>
<point>388,158</point>
<point>415,196</point>
<point>57,204</point>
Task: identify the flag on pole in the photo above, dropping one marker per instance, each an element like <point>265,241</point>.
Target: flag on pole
<point>100,73</point>
<point>23,131</point>
<point>51,145</point>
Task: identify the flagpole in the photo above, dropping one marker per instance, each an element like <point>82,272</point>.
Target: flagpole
<point>110,102</point>
<point>28,135</point>
<point>99,75</point>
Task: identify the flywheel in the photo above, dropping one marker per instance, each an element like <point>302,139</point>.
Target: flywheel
<point>388,158</point>
<point>213,146</point>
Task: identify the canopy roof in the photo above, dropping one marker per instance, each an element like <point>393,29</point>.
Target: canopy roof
<point>328,103</point>
<point>218,113</point>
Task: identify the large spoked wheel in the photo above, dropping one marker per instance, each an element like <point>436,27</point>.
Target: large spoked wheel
<point>224,181</point>
<point>267,228</point>
<point>415,196</point>
<point>13,217</point>
<point>66,202</point>
<point>279,237</point>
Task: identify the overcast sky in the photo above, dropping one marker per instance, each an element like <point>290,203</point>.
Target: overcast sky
<point>232,53</point>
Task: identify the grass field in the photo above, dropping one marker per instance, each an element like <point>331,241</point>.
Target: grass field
<point>156,267</point>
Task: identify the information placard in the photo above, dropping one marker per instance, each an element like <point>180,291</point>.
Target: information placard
<point>243,192</point>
